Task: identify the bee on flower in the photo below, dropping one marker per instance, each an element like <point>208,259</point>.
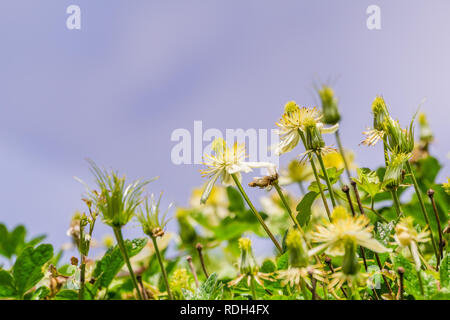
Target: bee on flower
<point>299,272</point>
<point>248,268</point>
<point>407,237</point>
<point>293,124</point>
<point>227,163</point>
<point>343,228</point>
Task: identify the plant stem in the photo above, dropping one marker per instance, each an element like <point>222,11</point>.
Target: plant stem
<point>438,221</point>
<point>286,205</point>
<point>161,265</point>
<point>252,287</point>
<point>396,203</point>
<point>202,260</point>
<point>82,277</point>
<point>341,150</point>
<point>194,273</point>
<point>255,212</point>
<point>422,206</point>
<point>316,176</point>
<point>123,249</point>
<point>419,276</point>
<point>325,174</point>
<point>82,265</point>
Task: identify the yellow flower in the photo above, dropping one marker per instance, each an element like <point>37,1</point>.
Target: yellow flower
<point>226,162</point>
<point>335,160</point>
<point>446,186</point>
<point>294,120</point>
<point>406,236</point>
<point>344,228</point>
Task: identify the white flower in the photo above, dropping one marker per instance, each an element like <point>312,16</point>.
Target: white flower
<point>343,228</point>
<point>408,237</point>
<point>227,162</point>
<point>292,122</point>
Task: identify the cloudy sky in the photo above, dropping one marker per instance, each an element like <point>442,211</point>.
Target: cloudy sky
<point>115,90</point>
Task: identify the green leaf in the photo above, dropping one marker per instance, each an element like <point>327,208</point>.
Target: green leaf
<point>7,288</point>
<point>268,266</point>
<point>40,293</point>
<point>11,243</point>
<point>112,262</point>
<point>211,289</point>
<point>67,295</point>
<point>27,270</point>
<point>368,181</point>
<point>283,261</point>
<point>333,175</point>
<point>411,281</point>
<point>304,208</point>
<point>235,200</point>
<point>315,187</point>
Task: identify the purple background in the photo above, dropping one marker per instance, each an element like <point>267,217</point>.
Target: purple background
<point>115,90</point>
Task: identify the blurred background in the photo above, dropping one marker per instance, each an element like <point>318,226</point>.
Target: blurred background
<point>115,90</point>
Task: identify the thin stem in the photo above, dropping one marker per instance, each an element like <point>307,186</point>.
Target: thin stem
<point>327,179</point>
<point>377,257</point>
<point>82,264</point>
<point>341,150</point>
<point>161,265</point>
<point>141,285</point>
<point>319,185</point>
<point>202,261</point>
<point>252,287</point>
<point>194,273</point>
<point>438,221</point>
<point>255,212</point>
<point>401,272</point>
<point>286,205</point>
<point>121,243</point>
<point>422,206</point>
<point>419,277</point>
<point>396,203</point>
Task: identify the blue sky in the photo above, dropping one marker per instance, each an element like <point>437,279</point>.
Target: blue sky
<point>115,90</point>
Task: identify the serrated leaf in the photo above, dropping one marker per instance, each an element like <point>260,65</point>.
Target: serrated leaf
<point>283,261</point>
<point>7,288</point>
<point>304,208</point>
<point>211,289</point>
<point>112,262</point>
<point>27,270</point>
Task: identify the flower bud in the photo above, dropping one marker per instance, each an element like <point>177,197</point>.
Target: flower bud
<point>298,256</point>
<point>380,113</point>
<point>248,263</point>
<point>314,139</point>
<point>393,176</point>
<point>329,106</point>
<point>290,107</point>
